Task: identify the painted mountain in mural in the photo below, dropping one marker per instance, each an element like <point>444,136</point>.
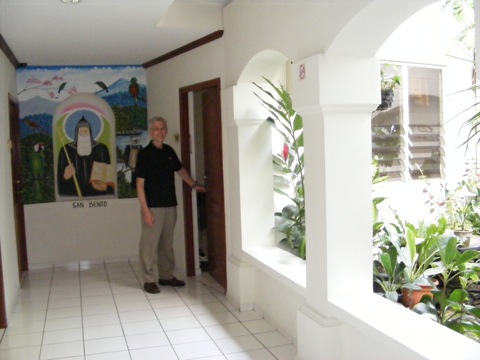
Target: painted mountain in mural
<point>32,106</point>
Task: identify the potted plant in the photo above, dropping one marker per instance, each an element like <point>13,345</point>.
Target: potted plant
<point>417,249</point>
<point>388,83</point>
<point>404,257</point>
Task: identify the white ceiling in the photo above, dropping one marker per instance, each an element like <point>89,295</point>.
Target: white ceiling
<point>104,32</point>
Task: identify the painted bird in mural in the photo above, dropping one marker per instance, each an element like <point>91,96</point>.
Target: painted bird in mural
<point>61,87</point>
<point>37,162</point>
<point>34,126</point>
<point>102,85</point>
<point>134,89</point>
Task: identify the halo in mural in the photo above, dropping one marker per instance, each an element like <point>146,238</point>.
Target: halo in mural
<point>71,122</point>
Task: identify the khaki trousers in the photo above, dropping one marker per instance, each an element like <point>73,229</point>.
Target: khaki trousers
<point>156,245</point>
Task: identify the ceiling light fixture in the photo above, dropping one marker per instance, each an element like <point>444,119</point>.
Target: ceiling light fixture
<point>71,1</point>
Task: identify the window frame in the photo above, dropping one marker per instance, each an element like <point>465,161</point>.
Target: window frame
<point>397,132</point>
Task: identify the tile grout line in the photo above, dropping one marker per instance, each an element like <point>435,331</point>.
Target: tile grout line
<point>196,318</point>
<point>156,316</point>
<point>213,292</point>
<point>46,312</point>
<point>116,307</point>
<point>81,308</point>
<point>149,303</point>
<point>216,294</point>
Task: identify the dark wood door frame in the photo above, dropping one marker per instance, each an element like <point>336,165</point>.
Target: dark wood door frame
<point>185,153</point>
<point>3,308</point>
<point>17,184</point>
<point>19,218</point>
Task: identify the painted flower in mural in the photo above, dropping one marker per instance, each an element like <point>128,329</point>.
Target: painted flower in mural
<point>49,85</point>
<point>72,90</point>
<point>33,81</point>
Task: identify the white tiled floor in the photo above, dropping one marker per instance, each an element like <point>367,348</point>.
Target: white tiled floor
<point>100,312</point>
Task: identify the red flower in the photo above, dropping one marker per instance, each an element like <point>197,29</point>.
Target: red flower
<point>285,152</point>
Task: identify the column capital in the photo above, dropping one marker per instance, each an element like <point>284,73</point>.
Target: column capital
<point>336,82</point>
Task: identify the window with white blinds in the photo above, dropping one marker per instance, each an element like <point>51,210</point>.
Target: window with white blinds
<point>407,137</point>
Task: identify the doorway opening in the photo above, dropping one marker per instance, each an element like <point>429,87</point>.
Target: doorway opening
<point>17,183</point>
<point>202,156</point>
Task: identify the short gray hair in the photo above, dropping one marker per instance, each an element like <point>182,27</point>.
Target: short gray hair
<point>156,119</point>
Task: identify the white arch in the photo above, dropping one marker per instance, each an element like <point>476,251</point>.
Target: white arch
<point>366,32</point>
<point>270,64</point>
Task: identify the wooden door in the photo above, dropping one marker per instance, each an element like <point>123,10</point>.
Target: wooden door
<point>3,308</point>
<point>17,183</point>
<point>213,164</point>
<point>215,212</point>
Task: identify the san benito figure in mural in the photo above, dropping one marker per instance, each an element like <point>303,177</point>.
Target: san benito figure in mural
<point>84,167</point>
<point>85,163</point>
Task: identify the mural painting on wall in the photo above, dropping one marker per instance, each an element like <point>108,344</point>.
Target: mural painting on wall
<point>80,130</point>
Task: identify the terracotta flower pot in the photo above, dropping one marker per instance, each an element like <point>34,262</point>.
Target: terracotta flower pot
<point>412,297</point>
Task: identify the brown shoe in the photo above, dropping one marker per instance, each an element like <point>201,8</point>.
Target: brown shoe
<point>172,282</point>
<point>151,288</point>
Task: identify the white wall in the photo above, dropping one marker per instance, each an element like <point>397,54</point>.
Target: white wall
<point>278,302</point>
<point>8,245</point>
<point>82,233</point>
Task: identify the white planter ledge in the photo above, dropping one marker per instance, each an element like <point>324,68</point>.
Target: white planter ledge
<point>378,317</point>
<point>280,264</point>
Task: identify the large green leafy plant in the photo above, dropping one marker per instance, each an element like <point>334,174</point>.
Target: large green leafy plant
<point>288,165</point>
<point>405,255</point>
<point>452,307</point>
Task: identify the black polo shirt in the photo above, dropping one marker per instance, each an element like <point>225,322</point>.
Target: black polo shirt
<point>158,167</point>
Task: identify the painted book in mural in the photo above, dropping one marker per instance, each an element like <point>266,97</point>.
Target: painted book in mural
<point>103,172</point>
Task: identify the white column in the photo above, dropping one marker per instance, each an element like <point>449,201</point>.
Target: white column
<point>335,96</point>
<point>248,158</point>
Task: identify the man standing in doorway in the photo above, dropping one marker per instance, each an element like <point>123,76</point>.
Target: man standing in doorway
<point>155,170</point>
